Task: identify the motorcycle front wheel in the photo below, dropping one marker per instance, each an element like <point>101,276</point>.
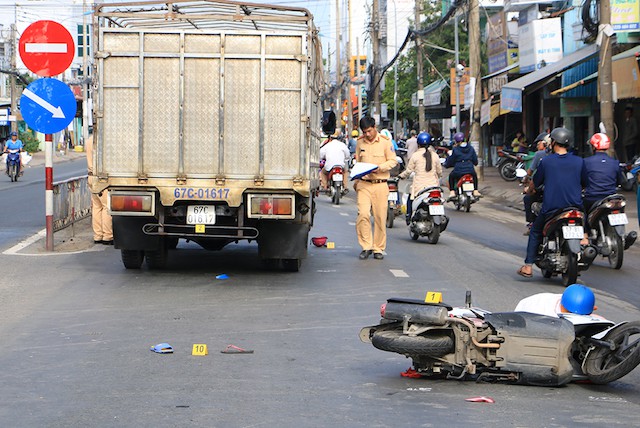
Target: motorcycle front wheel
<point>617,249</point>
<point>570,276</point>
<point>604,365</point>
<point>508,171</point>
<point>13,172</point>
<point>432,345</point>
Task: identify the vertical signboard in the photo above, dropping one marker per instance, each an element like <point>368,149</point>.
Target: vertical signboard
<point>540,44</point>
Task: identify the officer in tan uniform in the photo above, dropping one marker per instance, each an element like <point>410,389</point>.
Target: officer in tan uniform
<point>100,218</point>
<point>372,189</point>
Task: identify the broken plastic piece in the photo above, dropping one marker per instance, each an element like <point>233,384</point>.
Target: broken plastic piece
<point>480,400</point>
<point>232,349</point>
<point>411,373</point>
<point>162,348</point>
<point>222,276</point>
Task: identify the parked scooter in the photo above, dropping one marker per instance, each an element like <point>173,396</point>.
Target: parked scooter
<point>336,189</point>
<point>464,193</point>
<point>13,164</point>
<point>606,221</point>
<point>427,216</point>
<point>629,177</point>
<point>509,162</point>
<point>471,343</point>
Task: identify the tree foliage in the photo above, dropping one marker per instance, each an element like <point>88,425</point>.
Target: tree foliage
<point>436,62</point>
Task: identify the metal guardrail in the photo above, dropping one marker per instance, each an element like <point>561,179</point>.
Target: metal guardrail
<point>71,202</point>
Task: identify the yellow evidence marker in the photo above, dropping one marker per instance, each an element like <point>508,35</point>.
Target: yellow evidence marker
<point>199,228</point>
<point>331,245</point>
<point>200,349</point>
<point>433,297</point>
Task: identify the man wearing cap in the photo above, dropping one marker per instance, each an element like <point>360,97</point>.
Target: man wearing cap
<point>372,189</point>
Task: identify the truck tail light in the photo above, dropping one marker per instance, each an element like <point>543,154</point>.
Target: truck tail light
<point>131,203</point>
<point>271,206</point>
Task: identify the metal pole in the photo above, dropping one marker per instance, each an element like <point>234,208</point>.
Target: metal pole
<point>358,74</point>
<point>349,87</point>
<point>395,74</point>
<point>457,86</point>
<point>375,15</point>
<point>605,73</point>
<point>14,68</point>
<point>85,77</point>
<point>421,118</point>
<point>48,172</point>
<point>338,73</point>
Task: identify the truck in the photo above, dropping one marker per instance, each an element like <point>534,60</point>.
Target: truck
<point>207,126</point>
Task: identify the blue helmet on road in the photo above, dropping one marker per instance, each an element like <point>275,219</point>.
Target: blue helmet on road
<point>424,139</point>
<point>578,299</point>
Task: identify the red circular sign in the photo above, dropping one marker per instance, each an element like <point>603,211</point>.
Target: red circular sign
<point>46,48</point>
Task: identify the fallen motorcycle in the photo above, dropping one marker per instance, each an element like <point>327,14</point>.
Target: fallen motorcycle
<point>514,347</point>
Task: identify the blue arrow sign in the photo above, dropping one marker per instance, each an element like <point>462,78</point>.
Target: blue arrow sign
<point>48,105</point>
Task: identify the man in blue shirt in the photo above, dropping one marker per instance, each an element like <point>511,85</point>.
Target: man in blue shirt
<point>563,175</point>
<point>13,143</point>
<point>603,172</point>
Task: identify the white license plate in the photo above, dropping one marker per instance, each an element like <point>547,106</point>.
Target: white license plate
<point>393,196</point>
<point>618,219</point>
<point>436,209</point>
<point>201,214</point>
<point>467,187</point>
<point>572,232</point>
<point>337,177</point>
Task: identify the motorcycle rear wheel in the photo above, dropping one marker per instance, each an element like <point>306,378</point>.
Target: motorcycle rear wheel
<point>617,249</point>
<point>414,236</point>
<point>434,236</point>
<point>603,365</point>
<point>433,345</point>
<point>391,216</point>
<point>467,204</point>
<point>336,196</point>
<point>571,275</point>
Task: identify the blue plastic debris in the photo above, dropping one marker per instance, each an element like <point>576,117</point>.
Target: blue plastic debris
<point>222,276</point>
<point>162,348</point>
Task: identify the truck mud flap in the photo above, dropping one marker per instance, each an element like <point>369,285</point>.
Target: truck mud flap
<point>128,234</point>
<point>280,240</point>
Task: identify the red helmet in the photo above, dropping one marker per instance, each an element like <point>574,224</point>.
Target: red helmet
<point>600,141</point>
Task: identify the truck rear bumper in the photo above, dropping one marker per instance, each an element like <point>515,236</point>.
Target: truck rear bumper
<point>208,231</point>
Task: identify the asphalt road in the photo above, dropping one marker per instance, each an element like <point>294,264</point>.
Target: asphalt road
<point>76,331</point>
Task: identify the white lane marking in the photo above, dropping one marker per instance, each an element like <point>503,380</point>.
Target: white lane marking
<point>344,214</point>
<point>15,250</point>
<point>399,273</point>
<point>351,223</point>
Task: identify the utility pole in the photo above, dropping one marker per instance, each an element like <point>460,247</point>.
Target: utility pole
<point>85,77</point>
<point>357,72</point>
<point>421,117</point>
<point>474,69</point>
<point>604,71</point>
<point>14,67</point>
<point>375,17</point>
<point>458,74</point>
<point>349,86</point>
<point>338,73</point>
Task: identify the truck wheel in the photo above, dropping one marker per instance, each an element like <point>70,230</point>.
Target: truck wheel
<point>291,265</point>
<point>132,259</point>
<point>172,242</point>
<point>157,259</point>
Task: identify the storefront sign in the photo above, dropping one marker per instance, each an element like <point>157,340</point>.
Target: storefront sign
<point>625,15</point>
<point>575,107</point>
<point>540,44</point>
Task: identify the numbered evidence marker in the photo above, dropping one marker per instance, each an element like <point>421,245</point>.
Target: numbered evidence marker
<point>200,349</point>
<point>433,297</point>
<point>200,228</point>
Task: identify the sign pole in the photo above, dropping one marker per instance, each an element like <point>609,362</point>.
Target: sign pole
<point>48,172</point>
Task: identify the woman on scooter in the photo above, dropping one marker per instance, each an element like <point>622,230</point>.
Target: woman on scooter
<point>462,159</point>
<point>426,165</point>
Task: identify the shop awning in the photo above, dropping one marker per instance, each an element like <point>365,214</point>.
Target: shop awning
<point>503,70</point>
<point>511,94</point>
<point>432,94</point>
<point>623,66</point>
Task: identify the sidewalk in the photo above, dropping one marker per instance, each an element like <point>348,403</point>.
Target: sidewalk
<point>39,157</point>
<point>509,193</point>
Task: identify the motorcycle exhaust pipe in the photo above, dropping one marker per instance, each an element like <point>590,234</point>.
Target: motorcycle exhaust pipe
<point>589,253</point>
<point>630,239</point>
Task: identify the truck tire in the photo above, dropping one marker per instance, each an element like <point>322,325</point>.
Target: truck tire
<point>132,259</point>
<point>603,365</point>
<point>157,259</point>
<point>433,345</point>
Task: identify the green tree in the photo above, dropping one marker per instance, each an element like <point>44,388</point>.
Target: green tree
<point>436,62</point>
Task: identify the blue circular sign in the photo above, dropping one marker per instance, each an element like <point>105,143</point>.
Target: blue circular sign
<point>48,105</point>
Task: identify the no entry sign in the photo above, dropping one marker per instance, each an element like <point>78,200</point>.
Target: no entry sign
<point>46,48</point>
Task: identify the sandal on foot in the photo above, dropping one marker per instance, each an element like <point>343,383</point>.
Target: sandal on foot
<point>521,272</point>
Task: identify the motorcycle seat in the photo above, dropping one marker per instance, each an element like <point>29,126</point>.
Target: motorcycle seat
<point>427,189</point>
<point>614,197</point>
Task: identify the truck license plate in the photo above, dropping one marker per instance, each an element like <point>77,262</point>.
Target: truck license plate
<point>436,209</point>
<point>618,219</point>
<point>201,214</point>
<point>337,177</point>
<point>393,196</point>
<point>572,232</point>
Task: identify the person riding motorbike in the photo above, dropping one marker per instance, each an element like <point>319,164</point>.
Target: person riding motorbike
<point>563,176</point>
<point>530,196</point>
<point>576,298</point>
<point>353,140</point>
<point>463,159</point>
<point>13,143</point>
<point>603,172</point>
<point>334,152</point>
<point>387,134</point>
<point>426,165</point>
